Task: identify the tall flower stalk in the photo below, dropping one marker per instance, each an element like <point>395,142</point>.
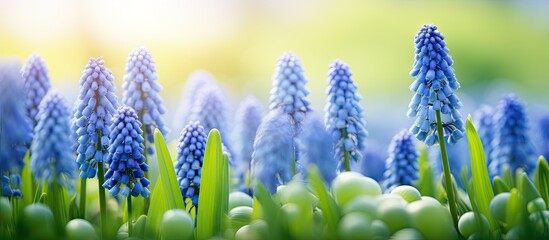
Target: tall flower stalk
<point>434,97</point>
<point>401,167</point>
<point>141,92</point>
<point>289,93</point>
<point>126,159</point>
<point>248,118</point>
<point>15,127</point>
<point>344,116</point>
<point>52,160</point>
<point>190,157</point>
<point>511,144</point>
<point>37,84</point>
<point>92,116</point>
<point>273,150</point>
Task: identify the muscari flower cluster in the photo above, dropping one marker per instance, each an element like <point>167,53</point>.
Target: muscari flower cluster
<point>402,164</point>
<point>126,159</point>
<point>141,92</point>
<point>511,144</point>
<point>485,127</point>
<point>248,118</point>
<point>15,127</point>
<point>433,87</point>
<point>190,157</point>
<point>210,109</point>
<point>315,147</point>
<point>37,84</point>
<point>344,116</point>
<point>51,160</point>
<point>373,164</point>
<point>197,81</point>
<point>92,116</point>
<point>544,130</point>
<point>288,90</point>
<point>273,150</point>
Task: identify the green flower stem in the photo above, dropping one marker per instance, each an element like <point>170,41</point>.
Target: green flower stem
<point>294,160</point>
<point>346,157</point>
<point>130,220</point>
<point>57,205</point>
<point>102,197</point>
<point>447,174</point>
<point>83,182</point>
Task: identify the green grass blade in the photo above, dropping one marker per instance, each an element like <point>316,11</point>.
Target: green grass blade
<point>482,188</point>
<point>225,191</point>
<point>213,187</point>
<point>329,207</point>
<point>527,188</point>
<point>270,211</point>
<point>26,187</point>
<point>167,173</point>
<point>426,183</point>
<point>158,206</point>
<point>542,179</point>
<point>500,186</point>
<point>516,209</point>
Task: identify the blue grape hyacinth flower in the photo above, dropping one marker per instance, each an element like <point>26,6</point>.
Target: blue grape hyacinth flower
<point>273,150</point>
<point>126,159</point>
<point>141,92</point>
<point>198,80</point>
<point>37,84</point>
<point>484,122</point>
<point>248,118</point>
<point>544,131</point>
<point>190,157</point>
<point>433,87</point>
<point>373,165</point>
<point>52,159</point>
<point>92,116</point>
<point>344,116</point>
<point>315,147</point>
<point>401,167</point>
<point>15,126</point>
<point>288,91</point>
<point>511,144</point>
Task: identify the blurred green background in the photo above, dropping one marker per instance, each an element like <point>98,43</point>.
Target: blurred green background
<point>498,46</point>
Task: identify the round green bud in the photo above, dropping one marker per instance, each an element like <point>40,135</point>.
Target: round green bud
<point>80,229</point>
<point>468,224</point>
<point>176,224</point>
<point>349,185</point>
<point>240,199</point>
<point>408,193</point>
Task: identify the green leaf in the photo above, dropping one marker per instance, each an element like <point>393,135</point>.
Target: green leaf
<point>426,183</point>
<point>527,189</point>
<point>516,209</point>
<point>74,211</point>
<point>328,206</point>
<point>482,188</point>
<point>214,186</point>
<point>542,179</point>
<point>26,187</point>
<point>159,205</point>
<point>270,210</point>
<point>507,176</point>
<point>167,173</point>
<point>500,186</point>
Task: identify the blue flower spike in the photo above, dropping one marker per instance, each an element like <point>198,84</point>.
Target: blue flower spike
<point>248,118</point>
<point>16,130</point>
<point>401,167</point>
<point>433,87</point>
<point>52,160</point>
<point>344,115</point>
<point>316,147</point>
<point>92,116</point>
<point>288,91</point>
<point>126,159</point>
<point>141,92</point>
<point>544,131</point>
<point>511,144</point>
<point>273,150</point>
<point>190,157</point>
<point>37,84</point>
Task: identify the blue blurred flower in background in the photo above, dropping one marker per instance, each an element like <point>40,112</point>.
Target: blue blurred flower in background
<point>37,84</point>
<point>316,147</point>
<point>511,144</point>
<point>373,161</point>
<point>196,81</point>
<point>544,132</point>
<point>190,157</point>
<point>433,87</point>
<point>247,119</point>
<point>273,150</point>
<point>402,164</point>
<point>141,92</point>
<point>52,159</point>
<point>344,116</point>
<point>126,159</point>
<point>288,91</point>
<point>92,116</point>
